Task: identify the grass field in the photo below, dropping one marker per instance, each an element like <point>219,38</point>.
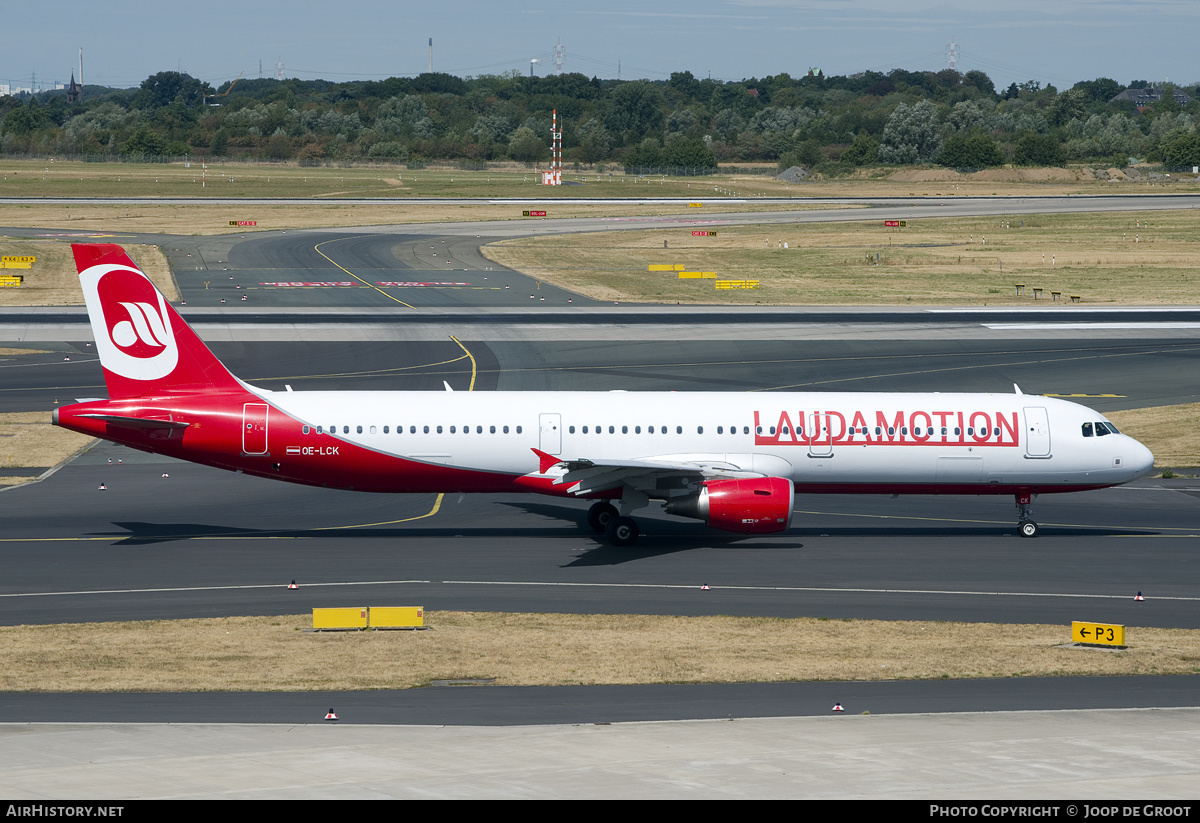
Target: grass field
<point>275,654</point>
<point>1105,258</point>
<point>53,280</point>
<point>43,178</point>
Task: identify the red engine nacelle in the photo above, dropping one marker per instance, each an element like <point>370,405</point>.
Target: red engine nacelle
<point>758,505</point>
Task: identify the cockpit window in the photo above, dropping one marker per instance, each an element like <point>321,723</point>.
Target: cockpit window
<point>1101,429</point>
<point>1087,429</point>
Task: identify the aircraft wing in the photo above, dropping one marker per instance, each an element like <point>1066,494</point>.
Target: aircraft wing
<point>587,476</point>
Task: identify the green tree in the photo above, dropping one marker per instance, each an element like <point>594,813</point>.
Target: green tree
<point>911,135</point>
<point>25,120</point>
<point>526,146</point>
<point>634,110</point>
<point>1039,150</point>
<point>1182,150</point>
<point>161,89</point>
<point>145,141</point>
<point>970,151</point>
<point>689,153</point>
<point>863,151</point>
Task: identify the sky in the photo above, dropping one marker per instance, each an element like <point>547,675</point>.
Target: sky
<point>1055,42</point>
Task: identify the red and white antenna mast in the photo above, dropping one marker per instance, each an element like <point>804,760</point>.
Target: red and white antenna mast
<point>554,176</point>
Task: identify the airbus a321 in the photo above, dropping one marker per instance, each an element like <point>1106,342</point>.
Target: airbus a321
<point>734,461</point>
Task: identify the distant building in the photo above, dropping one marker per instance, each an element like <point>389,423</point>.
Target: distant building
<point>1148,97</point>
<point>74,91</point>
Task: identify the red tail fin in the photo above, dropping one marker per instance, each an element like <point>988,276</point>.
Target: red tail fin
<point>145,347</point>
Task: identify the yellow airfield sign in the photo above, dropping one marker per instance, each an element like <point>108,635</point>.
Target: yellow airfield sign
<point>1098,634</point>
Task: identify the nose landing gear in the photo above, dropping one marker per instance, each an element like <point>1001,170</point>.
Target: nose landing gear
<point>1025,524</point>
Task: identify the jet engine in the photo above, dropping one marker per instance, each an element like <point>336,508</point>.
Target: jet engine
<point>758,505</point>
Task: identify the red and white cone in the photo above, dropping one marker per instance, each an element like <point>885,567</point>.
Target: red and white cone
<point>293,585</point>
<point>837,707</point>
<point>102,488</point>
<point>1139,596</point>
<point>165,475</point>
<point>331,715</point>
<point>704,588</point>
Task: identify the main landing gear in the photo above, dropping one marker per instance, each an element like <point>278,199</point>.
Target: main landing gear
<point>604,518</point>
<point>1025,524</point>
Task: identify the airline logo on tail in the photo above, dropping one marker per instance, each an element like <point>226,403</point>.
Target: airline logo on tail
<point>130,322</point>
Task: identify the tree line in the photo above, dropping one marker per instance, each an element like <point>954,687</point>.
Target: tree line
<point>832,124</point>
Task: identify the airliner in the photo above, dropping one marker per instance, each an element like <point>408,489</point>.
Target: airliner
<point>734,461</point>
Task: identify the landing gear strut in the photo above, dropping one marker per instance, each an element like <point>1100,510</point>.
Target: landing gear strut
<point>1025,523</point>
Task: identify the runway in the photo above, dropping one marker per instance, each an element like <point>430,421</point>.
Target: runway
<point>206,543</point>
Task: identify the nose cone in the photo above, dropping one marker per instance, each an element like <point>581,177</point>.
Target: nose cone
<point>1141,460</point>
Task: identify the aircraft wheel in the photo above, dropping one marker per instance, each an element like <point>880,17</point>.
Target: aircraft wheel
<point>1028,528</point>
<point>621,531</point>
<point>599,515</point>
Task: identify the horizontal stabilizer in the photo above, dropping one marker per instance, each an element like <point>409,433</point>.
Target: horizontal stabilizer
<point>136,422</point>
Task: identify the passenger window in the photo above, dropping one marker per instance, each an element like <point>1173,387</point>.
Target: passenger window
<point>518,429</point>
<point>492,429</point>
<point>699,430</point>
<point>451,430</point>
<point>413,429</point>
<point>720,430</point>
<point>624,430</point>
<point>372,430</point>
<point>611,430</point>
<point>305,430</point>
<point>506,429</point>
<point>637,429</point>
<point>570,429</point>
<point>345,429</point>
<point>679,429</point>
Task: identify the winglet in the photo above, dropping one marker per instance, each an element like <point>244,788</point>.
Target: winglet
<point>546,461</point>
<point>1017,389</point>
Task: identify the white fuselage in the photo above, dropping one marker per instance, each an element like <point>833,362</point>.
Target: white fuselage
<point>981,443</point>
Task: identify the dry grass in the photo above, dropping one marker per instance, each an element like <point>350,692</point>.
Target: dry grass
<point>1108,258</point>
<point>202,218</point>
<point>28,439</point>
<point>1172,433</point>
<point>274,654</point>
<point>54,281</point>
